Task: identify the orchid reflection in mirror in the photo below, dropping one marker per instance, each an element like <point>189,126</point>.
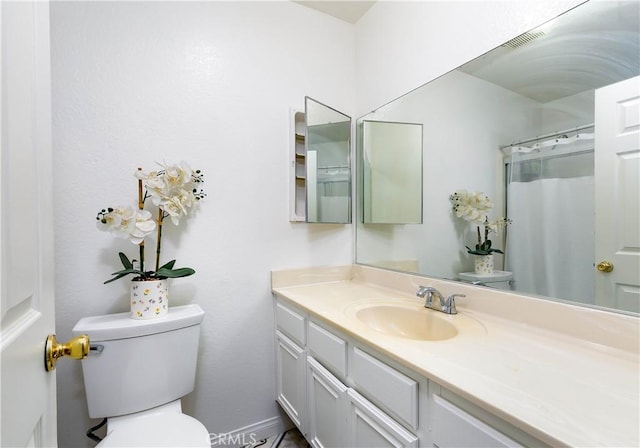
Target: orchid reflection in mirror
<point>474,208</point>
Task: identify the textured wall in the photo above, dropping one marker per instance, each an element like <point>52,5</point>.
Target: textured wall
<point>210,83</point>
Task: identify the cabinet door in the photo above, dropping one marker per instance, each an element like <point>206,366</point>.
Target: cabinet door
<point>369,427</point>
<point>290,365</point>
<point>326,407</point>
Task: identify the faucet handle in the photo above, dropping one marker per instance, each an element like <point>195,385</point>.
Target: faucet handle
<point>450,303</point>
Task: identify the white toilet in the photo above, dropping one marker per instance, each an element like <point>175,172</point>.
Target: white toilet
<point>136,374</point>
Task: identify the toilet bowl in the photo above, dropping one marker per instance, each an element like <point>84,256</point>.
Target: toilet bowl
<point>164,426</point>
<point>136,374</point>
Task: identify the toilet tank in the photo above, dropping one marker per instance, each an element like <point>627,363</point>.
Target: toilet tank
<point>142,363</point>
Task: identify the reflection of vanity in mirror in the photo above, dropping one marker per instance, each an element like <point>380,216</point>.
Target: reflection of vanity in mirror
<point>532,125</point>
<point>321,167</point>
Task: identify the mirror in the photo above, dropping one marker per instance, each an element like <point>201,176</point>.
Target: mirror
<point>392,172</point>
<point>328,168</point>
<point>525,109</point>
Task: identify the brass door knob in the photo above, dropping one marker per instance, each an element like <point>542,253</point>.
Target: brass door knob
<point>76,348</point>
<point>605,266</point>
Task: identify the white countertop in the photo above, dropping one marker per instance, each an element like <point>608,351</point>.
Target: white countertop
<point>566,375</point>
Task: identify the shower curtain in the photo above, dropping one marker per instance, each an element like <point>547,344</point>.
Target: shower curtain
<point>550,245</point>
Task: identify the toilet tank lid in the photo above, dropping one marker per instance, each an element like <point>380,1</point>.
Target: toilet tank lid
<point>495,276</point>
<point>121,326</point>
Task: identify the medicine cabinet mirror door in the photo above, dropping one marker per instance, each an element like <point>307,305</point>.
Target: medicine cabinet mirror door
<point>392,172</point>
<point>328,164</point>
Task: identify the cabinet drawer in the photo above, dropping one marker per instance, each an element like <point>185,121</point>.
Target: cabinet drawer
<point>453,427</point>
<point>291,323</point>
<point>328,348</point>
<point>391,388</point>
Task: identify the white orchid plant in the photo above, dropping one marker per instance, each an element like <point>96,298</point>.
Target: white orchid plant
<point>474,207</point>
<point>174,190</point>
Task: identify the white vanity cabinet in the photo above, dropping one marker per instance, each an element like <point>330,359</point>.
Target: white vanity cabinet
<point>338,416</point>
<point>312,387</point>
<point>341,393</point>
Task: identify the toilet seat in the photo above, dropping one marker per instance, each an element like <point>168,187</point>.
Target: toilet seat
<point>164,426</point>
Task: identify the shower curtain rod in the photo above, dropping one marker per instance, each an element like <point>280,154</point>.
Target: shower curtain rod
<point>542,137</point>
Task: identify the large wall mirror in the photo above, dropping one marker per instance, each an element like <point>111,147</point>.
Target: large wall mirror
<point>525,128</point>
<point>328,167</point>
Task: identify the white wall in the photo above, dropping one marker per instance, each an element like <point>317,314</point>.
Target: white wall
<point>210,83</point>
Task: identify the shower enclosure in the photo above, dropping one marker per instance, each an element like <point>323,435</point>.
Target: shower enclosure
<point>550,199</point>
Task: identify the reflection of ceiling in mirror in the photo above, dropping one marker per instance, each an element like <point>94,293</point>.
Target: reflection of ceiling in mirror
<point>349,11</point>
<point>587,48</point>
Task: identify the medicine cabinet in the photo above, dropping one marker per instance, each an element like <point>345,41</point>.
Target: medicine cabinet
<point>320,164</point>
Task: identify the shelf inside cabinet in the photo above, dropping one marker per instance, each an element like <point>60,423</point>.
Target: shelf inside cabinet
<point>298,161</point>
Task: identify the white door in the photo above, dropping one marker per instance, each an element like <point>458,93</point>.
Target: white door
<point>617,172</point>
<point>28,413</point>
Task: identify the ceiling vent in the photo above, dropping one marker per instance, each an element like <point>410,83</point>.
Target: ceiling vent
<point>524,39</point>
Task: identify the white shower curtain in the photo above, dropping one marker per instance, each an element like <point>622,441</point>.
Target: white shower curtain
<point>550,246</point>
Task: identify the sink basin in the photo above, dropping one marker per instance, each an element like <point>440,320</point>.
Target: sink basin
<point>411,322</point>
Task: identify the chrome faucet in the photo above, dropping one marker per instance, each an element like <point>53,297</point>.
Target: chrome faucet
<point>447,305</point>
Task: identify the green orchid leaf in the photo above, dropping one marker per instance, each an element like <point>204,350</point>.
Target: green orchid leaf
<point>168,265</point>
<point>122,273</point>
<point>125,261</point>
<point>128,271</point>
<point>175,273</point>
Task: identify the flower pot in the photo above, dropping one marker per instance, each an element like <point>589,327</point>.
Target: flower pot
<point>149,299</point>
<point>484,264</point>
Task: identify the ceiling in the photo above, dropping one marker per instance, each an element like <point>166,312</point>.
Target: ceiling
<point>349,11</point>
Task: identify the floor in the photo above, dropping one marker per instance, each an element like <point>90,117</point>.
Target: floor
<point>288,439</point>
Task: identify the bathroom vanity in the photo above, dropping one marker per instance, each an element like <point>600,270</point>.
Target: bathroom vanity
<point>362,363</point>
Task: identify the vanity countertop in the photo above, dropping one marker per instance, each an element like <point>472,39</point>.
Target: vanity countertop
<point>567,375</point>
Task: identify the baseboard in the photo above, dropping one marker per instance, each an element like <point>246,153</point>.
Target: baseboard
<point>250,433</point>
